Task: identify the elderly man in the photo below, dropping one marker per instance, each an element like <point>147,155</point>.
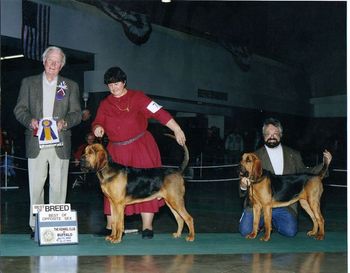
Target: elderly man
<point>278,159</point>
<point>48,95</point>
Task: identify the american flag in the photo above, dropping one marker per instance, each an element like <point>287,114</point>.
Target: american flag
<point>35,29</point>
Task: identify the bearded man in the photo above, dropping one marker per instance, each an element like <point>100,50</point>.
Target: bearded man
<point>277,159</point>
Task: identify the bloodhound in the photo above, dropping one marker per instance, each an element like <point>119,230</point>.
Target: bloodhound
<point>124,185</point>
<point>267,191</point>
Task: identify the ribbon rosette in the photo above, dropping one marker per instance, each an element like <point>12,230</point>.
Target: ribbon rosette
<point>47,133</point>
<point>61,90</point>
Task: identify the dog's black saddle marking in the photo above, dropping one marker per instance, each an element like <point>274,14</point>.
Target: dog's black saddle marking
<point>286,187</point>
<point>142,182</point>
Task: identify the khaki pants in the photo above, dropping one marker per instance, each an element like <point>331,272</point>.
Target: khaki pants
<point>38,167</point>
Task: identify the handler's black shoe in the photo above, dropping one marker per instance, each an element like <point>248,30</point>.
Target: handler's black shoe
<point>32,235</point>
<point>147,234</point>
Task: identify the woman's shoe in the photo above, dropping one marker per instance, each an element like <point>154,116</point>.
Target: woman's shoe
<point>147,234</point>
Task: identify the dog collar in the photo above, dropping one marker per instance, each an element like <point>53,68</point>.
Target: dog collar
<point>252,181</point>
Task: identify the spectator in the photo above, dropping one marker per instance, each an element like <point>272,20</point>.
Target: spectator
<point>81,178</point>
<point>234,147</point>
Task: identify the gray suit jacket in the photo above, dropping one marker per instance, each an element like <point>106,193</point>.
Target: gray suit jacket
<point>30,105</point>
<point>292,161</point>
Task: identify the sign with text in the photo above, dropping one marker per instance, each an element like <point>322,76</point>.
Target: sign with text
<point>50,207</point>
<point>56,224</point>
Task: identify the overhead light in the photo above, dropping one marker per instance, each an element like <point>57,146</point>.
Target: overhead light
<point>166,1</point>
<point>12,57</point>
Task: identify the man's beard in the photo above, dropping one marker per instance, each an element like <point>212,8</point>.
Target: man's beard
<point>272,144</point>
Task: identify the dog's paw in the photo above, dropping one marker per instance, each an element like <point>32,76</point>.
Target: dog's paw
<point>190,238</point>
<point>113,239</point>
<point>265,238</point>
<point>176,235</point>
<point>311,233</point>
<point>251,235</point>
<point>319,237</point>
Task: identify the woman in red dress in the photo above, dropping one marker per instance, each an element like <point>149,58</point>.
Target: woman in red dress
<point>123,117</point>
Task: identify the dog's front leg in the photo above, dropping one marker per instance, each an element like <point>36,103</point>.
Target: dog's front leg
<point>268,223</point>
<point>256,220</point>
<point>117,217</point>
<point>118,224</point>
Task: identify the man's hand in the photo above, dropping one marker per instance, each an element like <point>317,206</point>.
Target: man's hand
<point>244,183</point>
<point>61,124</point>
<point>327,157</point>
<point>34,124</point>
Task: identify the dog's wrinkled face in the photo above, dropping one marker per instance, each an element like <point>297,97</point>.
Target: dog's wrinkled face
<point>94,158</point>
<point>250,166</point>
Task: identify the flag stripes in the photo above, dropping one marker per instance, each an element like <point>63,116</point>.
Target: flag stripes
<point>35,29</point>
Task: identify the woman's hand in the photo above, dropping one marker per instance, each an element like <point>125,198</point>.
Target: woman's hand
<point>180,137</point>
<point>99,131</point>
<point>179,134</point>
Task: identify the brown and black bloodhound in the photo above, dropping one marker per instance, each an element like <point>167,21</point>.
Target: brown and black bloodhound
<point>124,185</point>
<point>267,191</point>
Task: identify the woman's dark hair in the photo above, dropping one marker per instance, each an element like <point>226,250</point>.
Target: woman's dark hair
<point>114,74</point>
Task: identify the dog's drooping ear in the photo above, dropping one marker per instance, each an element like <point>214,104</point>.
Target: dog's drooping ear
<point>101,157</point>
<point>257,168</point>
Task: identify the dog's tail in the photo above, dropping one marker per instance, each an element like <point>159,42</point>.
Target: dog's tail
<point>186,155</point>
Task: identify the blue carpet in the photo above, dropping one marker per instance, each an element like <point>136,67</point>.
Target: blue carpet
<point>164,244</point>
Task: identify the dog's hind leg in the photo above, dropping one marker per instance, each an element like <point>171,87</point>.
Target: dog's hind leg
<point>181,215</point>
<point>311,204</point>
<point>315,206</point>
<point>305,205</point>
<point>189,222</point>
<point>180,222</point>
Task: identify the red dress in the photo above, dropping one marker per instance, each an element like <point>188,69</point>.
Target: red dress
<point>125,122</point>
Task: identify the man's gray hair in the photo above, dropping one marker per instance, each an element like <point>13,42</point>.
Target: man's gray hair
<point>54,48</point>
<point>274,122</point>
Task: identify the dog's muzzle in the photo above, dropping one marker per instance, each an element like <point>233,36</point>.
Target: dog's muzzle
<point>242,172</point>
<point>84,164</point>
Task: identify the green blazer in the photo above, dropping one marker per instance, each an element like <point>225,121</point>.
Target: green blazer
<point>30,105</point>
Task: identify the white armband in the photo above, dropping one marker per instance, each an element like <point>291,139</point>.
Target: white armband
<point>153,107</point>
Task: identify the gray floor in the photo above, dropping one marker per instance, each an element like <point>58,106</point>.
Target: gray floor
<point>215,208</point>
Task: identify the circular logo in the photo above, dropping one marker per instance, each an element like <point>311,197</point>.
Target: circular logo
<point>48,236</point>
